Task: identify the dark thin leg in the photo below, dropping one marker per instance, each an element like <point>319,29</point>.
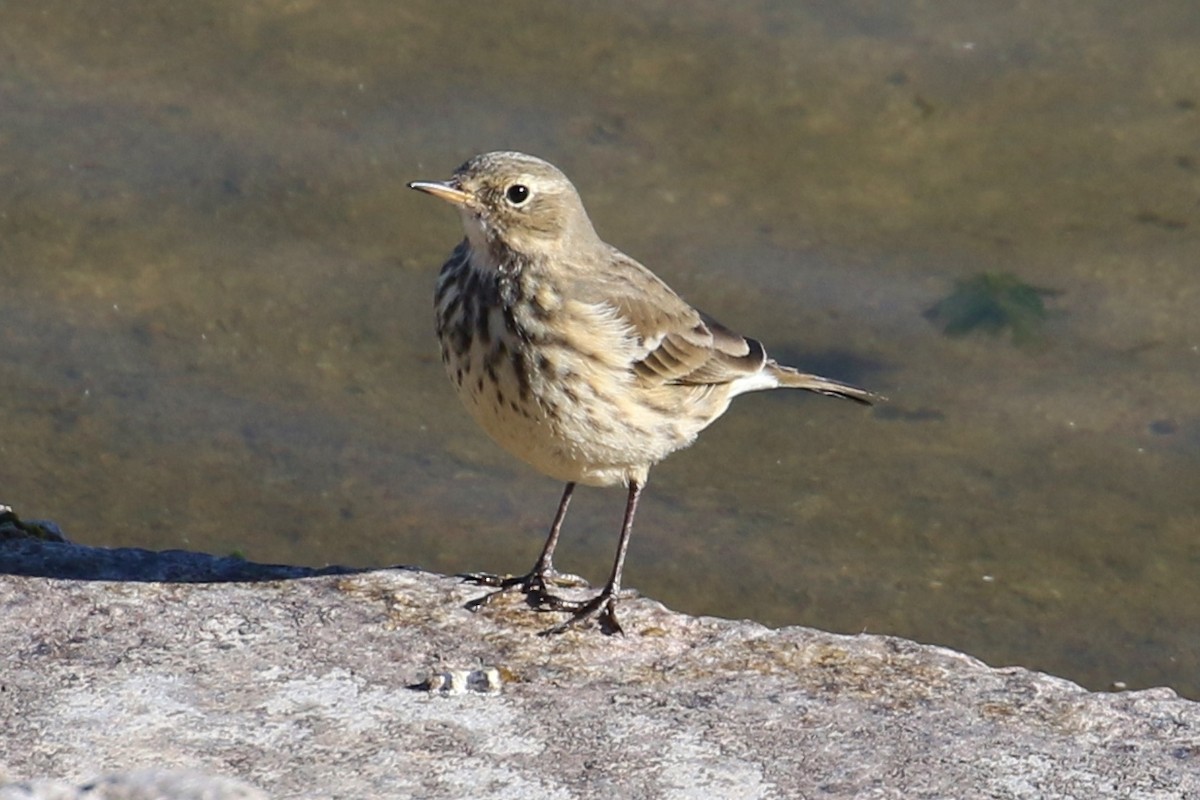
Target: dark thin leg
<point>614,580</point>
<point>533,583</point>
<point>602,607</point>
<point>545,562</point>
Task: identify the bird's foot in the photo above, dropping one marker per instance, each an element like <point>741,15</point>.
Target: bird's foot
<point>534,585</point>
<point>602,609</point>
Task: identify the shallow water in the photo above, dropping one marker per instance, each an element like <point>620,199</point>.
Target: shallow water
<point>216,295</point>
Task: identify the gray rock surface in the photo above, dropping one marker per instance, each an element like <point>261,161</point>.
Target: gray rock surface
<point>151,784</point>
<point>380,685</point>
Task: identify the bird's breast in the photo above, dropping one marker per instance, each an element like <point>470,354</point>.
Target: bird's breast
<point>550,378</point>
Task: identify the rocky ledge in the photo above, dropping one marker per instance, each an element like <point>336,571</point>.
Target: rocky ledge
<point>159,669</point>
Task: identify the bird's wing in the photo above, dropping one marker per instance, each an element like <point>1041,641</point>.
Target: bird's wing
<point>677,344</point>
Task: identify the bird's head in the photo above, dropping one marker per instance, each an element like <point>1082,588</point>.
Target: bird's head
<point>515,201</point>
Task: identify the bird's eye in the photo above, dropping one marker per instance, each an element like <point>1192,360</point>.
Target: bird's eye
<point>517,194</point>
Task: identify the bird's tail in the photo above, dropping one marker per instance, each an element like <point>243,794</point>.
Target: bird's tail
<point>795,379</point>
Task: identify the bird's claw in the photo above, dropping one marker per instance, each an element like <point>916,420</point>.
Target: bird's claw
<point>533,585</point>
<point>490,579</point>
<point>601,608</point>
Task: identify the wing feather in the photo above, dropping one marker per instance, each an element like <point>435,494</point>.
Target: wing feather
<point>677,344</point>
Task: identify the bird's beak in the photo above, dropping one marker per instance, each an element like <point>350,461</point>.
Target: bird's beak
<point>444,190</point>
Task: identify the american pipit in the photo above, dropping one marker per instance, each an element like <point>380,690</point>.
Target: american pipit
<point>576,358</point>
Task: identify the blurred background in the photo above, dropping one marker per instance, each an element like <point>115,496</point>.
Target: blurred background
<point>216,314</point>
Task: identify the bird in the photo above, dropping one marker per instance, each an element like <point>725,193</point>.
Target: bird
<point>576,358</point>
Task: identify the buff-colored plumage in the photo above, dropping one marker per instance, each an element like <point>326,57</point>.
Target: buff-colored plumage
<point>573,356</point>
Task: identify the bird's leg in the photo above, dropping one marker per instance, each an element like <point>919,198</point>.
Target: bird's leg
<point>535,582</point>
<point>602,607</point>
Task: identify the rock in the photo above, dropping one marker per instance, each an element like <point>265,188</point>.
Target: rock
<point>380,684</point>
<point>142,785</point>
